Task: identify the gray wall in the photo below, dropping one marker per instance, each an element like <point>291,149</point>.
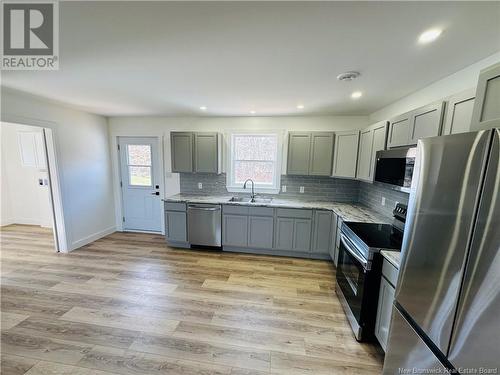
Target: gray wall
<point>371,195</point>
<point>321,188</point>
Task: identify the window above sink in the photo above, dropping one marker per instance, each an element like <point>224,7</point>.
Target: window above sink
<point>256,156</point>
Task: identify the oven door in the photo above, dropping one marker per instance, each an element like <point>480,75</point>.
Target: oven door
<point>351,275</point>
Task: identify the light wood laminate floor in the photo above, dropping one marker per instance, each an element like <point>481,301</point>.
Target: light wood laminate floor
<point>128,304</point>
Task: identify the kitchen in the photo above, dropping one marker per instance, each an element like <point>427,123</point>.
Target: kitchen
<point>249,212</point>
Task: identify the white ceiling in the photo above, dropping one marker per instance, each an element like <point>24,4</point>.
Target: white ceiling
<point>161,58</point>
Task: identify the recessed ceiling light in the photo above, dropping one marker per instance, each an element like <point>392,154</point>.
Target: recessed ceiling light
<point>429,36</point>
<point>203,108</point>
<point>252,112</point>
<point>300,106</point>
<point>356,94</point>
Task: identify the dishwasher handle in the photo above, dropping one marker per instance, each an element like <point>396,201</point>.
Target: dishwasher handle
<point>201,208</point>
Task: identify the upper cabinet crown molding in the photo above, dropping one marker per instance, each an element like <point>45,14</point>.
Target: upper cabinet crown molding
<point>486,112</point>
<point>310,153</point>
<point>198,152</point>
<point>408,128</point>
<point>345,154</point>
<point>459,109</point>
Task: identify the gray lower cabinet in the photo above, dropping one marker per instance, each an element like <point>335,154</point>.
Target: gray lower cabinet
<point>175,226</point>
<point>459,112</point>
<point>235,230</point>
<point>322,231</point>
<point>293,230</point>
<point>310,153</point>
<point>486,113</point>
<point>337,242</point>
<point>260,232</point>
<point>333,233</point>
<point>302,235</point>
<point>384,312</point>
<point>181,151</point>
<point>284,233</point>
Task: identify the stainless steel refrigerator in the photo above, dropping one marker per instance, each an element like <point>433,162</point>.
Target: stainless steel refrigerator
<point>446,313</point>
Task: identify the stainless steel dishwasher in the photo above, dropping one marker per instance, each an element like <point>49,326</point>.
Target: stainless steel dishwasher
<point>204,224</point>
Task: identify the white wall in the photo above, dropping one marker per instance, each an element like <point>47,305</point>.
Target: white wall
<point>82,147</point>
<point>462,80</point>
<point>26,201</point>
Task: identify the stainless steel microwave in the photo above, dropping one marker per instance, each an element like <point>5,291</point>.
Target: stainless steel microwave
<point>394,168</point>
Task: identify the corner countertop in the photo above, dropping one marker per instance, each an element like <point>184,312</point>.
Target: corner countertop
<point>393,257</point>
<point>347,211</point>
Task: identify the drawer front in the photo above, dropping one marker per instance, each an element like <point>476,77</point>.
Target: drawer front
<point>261,211</point>
<point>171,206</point>
<point>235,210</point>
<point>390,272</point>
<point>294,213</point>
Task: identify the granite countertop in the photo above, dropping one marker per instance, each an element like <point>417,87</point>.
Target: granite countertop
<point>394,257</point>
<point>347,211</point>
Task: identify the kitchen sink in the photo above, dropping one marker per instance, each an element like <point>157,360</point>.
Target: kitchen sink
<point>250,200</point>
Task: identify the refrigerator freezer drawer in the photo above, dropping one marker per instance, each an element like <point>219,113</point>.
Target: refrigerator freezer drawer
<point>407,353</point>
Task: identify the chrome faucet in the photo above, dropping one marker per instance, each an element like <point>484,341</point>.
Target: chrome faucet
<point>252,196</point>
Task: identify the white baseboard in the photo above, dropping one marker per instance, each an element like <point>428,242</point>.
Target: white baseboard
<point>6,222</point>
<point>93,237</point>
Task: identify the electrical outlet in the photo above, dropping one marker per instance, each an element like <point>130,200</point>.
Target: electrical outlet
<point>383,201</point>
<point>200,185</point>
<point>283,188</point>
<point>301,190</point>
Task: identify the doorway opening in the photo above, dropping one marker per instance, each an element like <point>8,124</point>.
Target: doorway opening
<point>141,184</point>
<point>28,217</point>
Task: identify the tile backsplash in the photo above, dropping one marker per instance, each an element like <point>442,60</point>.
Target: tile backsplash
<point>321,188</point>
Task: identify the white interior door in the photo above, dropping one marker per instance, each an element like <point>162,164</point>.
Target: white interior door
<point>140,183</point>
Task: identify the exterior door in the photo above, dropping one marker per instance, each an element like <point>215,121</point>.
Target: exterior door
<point>140,183</point>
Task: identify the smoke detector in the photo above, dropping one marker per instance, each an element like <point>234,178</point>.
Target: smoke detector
<point>348,76</point>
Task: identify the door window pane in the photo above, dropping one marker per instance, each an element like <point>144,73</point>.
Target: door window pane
<point>139,176</point>
<point>139,154</point>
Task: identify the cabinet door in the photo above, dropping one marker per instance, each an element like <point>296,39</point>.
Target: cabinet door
<point>365,154</point>
<point>379,142</point>
<point>459,113</point>
<point>426,122</point>
<point>284,233</point>
<point>346,154</point>
<point>399,130</point>
<point>260,232</point>
<point>322,231</point>
<point>384,311</point>
<point>181,148</point>
<point>302,234</point>
<point>333,233</point>
<point>235,230</point>
<point>175,226</point>
<point>321,154</point>
<point>299,152</point>
<point>206,152</point>
<point>486,113</point>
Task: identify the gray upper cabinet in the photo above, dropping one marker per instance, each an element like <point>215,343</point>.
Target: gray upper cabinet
<point>399,128</point>
<point>320,163</point>
<point>345,154</point>
<point>408,128</point>
<point>322,231</point>
<point>206,152</point>
<point>426,122</point>
<point>486,113</point>
<point>459,112</point>
<point>310,153</point>
<point>196,152</point>
<point>181,147</point>
<point>299,151</point>
<point>371,140</point>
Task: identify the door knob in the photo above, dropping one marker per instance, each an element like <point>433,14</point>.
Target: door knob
<point>156,193</point>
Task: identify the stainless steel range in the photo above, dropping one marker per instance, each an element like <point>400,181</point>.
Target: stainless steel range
<point>359,268</point>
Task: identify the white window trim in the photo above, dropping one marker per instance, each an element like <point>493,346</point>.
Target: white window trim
<point>275,188</point>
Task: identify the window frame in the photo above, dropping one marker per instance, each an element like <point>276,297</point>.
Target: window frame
<point>273,188</point>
